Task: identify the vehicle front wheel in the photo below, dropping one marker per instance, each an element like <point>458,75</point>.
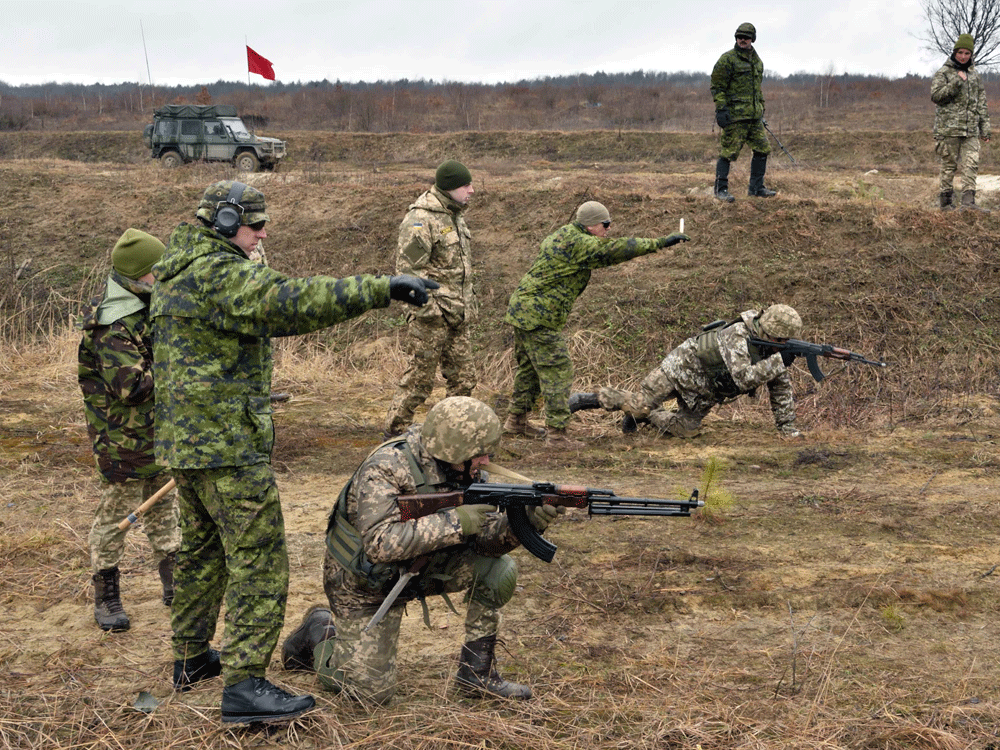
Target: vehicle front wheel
<point>171,160</point>
<point>246,162</point>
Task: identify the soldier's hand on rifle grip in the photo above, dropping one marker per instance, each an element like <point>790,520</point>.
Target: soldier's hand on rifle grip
<point>411,289</point>
<point>542,515</point>
<point>472,517</point>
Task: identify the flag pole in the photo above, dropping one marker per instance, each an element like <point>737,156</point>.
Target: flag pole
<point>246,43</point>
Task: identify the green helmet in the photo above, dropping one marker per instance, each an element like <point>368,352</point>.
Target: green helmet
<point>460,428</point>
<point>250,199</point>
<point>781,322</point>
<point>747,29</point>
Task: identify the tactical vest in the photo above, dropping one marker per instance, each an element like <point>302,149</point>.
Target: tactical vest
<point>708,353</point>
<point>343,541</point>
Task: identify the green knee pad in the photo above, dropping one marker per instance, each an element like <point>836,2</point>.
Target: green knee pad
<point>495,580</point>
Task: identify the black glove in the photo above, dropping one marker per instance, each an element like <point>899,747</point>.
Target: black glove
<point>722,118</point>
<point>411,289</point>
<point>673,239</point>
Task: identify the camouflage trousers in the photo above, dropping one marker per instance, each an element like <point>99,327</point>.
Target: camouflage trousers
<point>959,155</point>
<point>737,134</point>
<point>363,665</point>
<point>658,387</point>
<point>544,368</point>
<point>118,499</point>
<point>232,548</point>
<point>430,342</point>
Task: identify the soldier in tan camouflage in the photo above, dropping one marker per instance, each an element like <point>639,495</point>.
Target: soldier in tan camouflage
<point>369,545</point>
<point>711,368</point>
<point>960,122</point>
<point>115,373</point>
<point>434,243</point>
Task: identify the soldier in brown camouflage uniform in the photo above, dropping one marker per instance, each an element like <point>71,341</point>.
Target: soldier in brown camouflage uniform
<point>711,368</point>
<point>960,121</point>
<point>214,311</point>
<point>115,373</point>
<point>435,243</point>
<point>369,544</point>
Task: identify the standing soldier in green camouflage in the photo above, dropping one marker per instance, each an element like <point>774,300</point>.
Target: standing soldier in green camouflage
<point>739,112</point>
<point>116,376</point>
<point>214,312</point>
<point>435,243</point>
<point>961,120</point>
<point>709,369</point>
<point>538,309</point>
<point>370,543</point>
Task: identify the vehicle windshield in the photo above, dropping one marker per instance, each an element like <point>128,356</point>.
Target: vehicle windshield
<point>238,129</point>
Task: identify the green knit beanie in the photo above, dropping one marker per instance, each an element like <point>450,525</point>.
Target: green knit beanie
<point>965,41</point>
<point>452,174</point>
<point>136,253</point>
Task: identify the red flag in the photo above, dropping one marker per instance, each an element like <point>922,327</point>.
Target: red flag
<point>259,65</point>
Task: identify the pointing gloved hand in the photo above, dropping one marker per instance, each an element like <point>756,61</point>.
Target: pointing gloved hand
<point>722,118</point>
<point>542,515</point>
<point>673,239</point>
<point>411,289</point>
<point>472,517</point>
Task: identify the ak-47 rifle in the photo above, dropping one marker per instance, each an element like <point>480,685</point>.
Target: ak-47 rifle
<point>514,500</point>
<point>791,348</point>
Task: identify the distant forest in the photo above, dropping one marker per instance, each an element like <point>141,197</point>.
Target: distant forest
<point>640,100</point>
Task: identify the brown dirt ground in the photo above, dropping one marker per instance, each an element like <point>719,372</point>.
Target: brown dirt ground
<point>847,598</point>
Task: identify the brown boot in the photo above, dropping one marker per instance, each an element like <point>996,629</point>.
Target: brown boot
<point>477,672</point>
<point>558,438</point>
<point>969,202</point>
<point>518,424</point>
<point>166,569</point>
<point>108,610</point>
<point>316,627</point>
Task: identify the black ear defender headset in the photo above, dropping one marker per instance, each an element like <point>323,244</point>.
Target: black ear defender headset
<point>229,213</point>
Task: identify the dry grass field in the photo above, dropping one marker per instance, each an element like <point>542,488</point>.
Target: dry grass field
<point>846,597</point>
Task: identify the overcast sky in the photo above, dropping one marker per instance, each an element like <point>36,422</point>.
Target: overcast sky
<point>488,41</point>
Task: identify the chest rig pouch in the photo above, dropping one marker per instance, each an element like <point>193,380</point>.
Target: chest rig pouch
<point>343,541</point>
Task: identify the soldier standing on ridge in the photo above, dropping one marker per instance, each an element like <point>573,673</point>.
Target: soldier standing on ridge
<point>739,112</point>
<point>435,243</point>
<point>960,121</point>
<point>711,368</point>
<point>214,312</point>
<point>369,543</point>
<point>541,303</point>
<point>116,376</point>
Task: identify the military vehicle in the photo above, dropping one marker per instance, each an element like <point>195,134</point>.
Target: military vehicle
<point>182,133</point>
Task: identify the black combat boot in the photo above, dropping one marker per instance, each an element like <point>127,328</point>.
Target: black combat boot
<point>722,181</point>
<point>477,673</point>
<point>582,401</point>
<point>946,197</point>
<point>256,699</point>
<point>195,669</point>
<point>166,569</point>
<point>316,627</point>
<point>108,609</point>
<point>758,166</point>
<point>969,202</point>
<point>630,424</point>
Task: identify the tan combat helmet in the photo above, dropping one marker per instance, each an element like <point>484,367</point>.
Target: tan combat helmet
<point>459,428</point>
<point>781,322</point>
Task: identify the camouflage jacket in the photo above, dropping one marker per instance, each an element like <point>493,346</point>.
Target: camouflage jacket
<point>214,312</point>
<point>736,84</point>
<point>115,373</point>
<point>374,513</point>
<point>435,243</point>
<point>561,272</point>
<point>728,366</point>
<point>961,105</point>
